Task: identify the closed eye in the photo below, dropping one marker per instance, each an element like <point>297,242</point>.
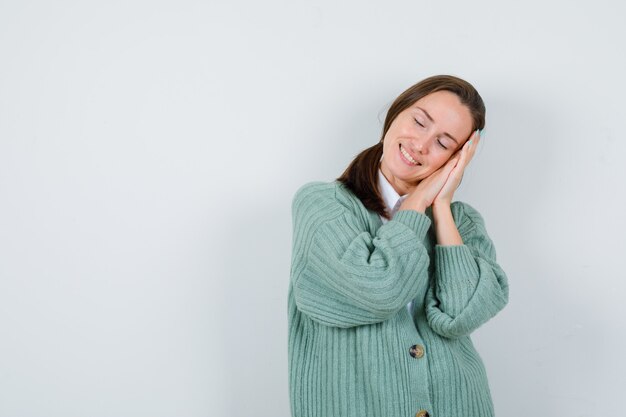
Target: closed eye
<point>438,141</point>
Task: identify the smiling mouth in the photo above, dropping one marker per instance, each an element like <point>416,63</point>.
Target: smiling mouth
<point>405,154</point>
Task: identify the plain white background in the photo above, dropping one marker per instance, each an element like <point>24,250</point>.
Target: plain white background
<point>149,151</point>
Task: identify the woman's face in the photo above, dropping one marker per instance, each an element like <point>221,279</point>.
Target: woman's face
<point>430,141</point>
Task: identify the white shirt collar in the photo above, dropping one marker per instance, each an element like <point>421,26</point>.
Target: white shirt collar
<point>390,196</point>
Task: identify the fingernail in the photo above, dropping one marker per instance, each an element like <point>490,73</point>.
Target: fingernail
<point>470,142</point>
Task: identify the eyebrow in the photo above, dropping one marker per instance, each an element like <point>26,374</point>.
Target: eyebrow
<point>431,119</point>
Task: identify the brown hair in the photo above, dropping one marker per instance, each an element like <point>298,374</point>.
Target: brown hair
<point>361,176</point>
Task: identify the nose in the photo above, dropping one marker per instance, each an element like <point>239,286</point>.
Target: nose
<point>419,146</point>
<point>422,143</point>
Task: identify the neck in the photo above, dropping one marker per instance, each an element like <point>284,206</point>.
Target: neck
<point>401,187</point>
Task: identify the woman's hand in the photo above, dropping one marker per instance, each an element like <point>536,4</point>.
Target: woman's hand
<point>428,188</point>
<point>463,157</point>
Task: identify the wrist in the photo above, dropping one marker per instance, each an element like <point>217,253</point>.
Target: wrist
<point>413,204</point>
<point>441,204</point>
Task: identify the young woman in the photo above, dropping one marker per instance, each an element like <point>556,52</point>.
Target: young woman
<point>389,276</point>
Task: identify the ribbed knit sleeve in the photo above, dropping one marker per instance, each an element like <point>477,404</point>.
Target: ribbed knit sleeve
<point>345,276</point>
<point>470,287</point>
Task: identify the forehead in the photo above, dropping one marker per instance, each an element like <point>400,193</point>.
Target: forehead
<point>441,100</point>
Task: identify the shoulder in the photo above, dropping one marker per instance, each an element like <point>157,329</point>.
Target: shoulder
<point>315,198</point>
<point>324,201</point>
<point>314,189</point>
<point>323,193</point>
<point>313,195</point>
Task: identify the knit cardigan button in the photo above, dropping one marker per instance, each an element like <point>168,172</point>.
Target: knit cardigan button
<point>422,413</point>
<point>417,351</point>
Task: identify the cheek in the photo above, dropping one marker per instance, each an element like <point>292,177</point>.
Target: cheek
<point>409,130</point>
<point>387,145</point>
<point>400,128</point>
<point>441,160</point>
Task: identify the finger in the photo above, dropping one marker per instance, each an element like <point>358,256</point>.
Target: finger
<point>454,161</point>
<point>467,145</point>
<point>451,161</point>
<point>471,144</point>
<point>477,138</point>
<point>464,151</point>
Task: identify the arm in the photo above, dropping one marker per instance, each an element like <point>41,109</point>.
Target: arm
<point>469,286</point>
<point>344,276</point>
<point>446,231</point>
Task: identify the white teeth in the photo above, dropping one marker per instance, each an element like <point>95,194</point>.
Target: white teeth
<point>407,156</point>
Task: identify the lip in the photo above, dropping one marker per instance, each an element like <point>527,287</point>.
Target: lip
<point>412,156</point>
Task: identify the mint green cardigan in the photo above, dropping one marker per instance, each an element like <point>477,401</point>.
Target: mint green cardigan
<point>354,350</point>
